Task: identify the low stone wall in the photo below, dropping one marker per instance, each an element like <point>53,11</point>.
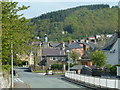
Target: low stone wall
<point>0,80</point>
<point>5,82</point>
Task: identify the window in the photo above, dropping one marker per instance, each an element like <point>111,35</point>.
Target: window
<point>112,51</point>
<point>53,58</point>
<point>63,59</point>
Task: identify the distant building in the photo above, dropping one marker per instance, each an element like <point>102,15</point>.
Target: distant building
<point>82,69</point>
<point>80,48</point>
<point>91,38</point>
<point>97,36</point>
<point>109,35</point>
<point>52,56</point>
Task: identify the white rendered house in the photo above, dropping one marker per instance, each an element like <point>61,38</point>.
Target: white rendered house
<point>112,49</point>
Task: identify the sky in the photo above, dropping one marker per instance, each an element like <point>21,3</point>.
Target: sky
<point>38,8</point>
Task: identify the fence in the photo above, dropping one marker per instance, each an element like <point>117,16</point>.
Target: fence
<point>96,81</point>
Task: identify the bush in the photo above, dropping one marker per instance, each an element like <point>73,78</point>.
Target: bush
<point>6,70</point>
<point>108,66</point>
<point>113,70</point>
<point>57,66</point>
<point>6,67</point>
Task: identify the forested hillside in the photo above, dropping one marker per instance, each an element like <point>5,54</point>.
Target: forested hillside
<point>76,23</point>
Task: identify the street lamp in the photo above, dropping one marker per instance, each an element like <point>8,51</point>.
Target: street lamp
<point>12,63</point>
<point>68,51</point>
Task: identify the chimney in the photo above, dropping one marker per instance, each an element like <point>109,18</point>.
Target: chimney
<point>48,44</point>
<point>45,38</point>
<point>63,46</point>
<point>69,41</point>
<point>86,41</point>
<point>73,41</point>
<point>79,40</point>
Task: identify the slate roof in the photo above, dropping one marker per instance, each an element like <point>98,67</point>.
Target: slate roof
<point>73,45</point>
<point>52,52</point>
<point>52,44</point>
<point>76,67</point>
<point>88,44</point>
<point>111,42</point>
<point>79,67</point>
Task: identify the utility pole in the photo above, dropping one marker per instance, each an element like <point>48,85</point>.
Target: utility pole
<point>68,60</point>
<point>12,63</point>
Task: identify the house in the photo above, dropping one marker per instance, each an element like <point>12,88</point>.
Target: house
<point>109,35</point>
<point>92,39</point>
<point>79,47</point>
<point>86,70</point>
<point>75,47</point>
<point>52,56</point>
<point>81,69</point>
<point>97,36</point>
<point>112,49</point>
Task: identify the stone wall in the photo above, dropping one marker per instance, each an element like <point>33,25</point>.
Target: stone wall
<point>5,82</point>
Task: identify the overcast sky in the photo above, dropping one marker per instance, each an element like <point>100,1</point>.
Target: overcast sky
<point>38,8</point>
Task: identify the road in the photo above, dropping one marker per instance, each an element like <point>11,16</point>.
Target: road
<point>35,80</point>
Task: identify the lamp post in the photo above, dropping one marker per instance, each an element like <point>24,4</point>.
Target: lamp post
<point>12,63</point>
<point>68,60</point>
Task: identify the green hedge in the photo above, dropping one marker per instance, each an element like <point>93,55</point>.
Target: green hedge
<point>60,66</point>
<point>113,69</point>
<point>57,66</point>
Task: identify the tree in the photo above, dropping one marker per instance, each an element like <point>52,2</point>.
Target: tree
<point>99,58</point>
<point>74,55</point>
<point>15,29</point>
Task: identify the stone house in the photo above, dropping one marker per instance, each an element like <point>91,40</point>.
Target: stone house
<point>52,56</point>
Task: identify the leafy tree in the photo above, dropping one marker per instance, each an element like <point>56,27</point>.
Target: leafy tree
<point>74,55</point>
<point>15,29</point>
<point>99,58</point>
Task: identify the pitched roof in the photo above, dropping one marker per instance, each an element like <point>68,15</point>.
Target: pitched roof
<point>73,45</point>
<point>52,44</point>
<point>111,42</point>
<point>52,52</point>
<point>79,67</point>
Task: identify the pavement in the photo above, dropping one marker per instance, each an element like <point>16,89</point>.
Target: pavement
<point>27,79</point>
<point>21,85</point>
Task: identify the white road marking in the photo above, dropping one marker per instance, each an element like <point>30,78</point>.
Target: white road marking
<point>20,80</point>
<point>16,80</point>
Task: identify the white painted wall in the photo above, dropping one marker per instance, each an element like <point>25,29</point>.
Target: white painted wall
<point>97,81</point>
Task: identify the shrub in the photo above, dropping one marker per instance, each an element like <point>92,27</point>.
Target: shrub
<point>108,66</point>
<point>57,66</point>
<point>6,67</point>
<point>113,70</point>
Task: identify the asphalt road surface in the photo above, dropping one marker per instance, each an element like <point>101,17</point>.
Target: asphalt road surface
<point>27,79</point>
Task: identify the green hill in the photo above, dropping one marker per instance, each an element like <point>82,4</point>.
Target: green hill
<point>78,22</point>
